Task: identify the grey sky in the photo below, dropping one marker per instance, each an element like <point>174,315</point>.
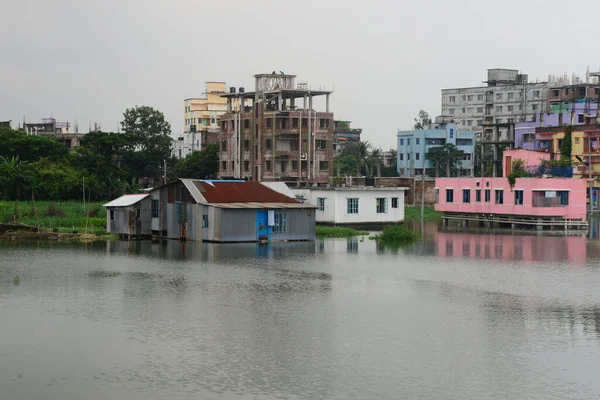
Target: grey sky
<point>90,60</point>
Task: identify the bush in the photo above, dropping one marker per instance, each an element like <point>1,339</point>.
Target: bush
<point>53,211</point>
<point>398,234</point>
<point>336,231</point>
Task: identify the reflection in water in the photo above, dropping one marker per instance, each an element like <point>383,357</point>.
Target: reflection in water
<point>511,247</point>
<point>194,251</point>
<point>336,319</point>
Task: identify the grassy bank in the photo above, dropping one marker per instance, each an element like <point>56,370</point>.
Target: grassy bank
<point>336,231</point>
<point>413,213</point>
<point>60,215</point>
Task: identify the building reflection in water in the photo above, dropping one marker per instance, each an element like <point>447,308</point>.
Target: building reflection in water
<point>511,247</point>
<point>212,252</point>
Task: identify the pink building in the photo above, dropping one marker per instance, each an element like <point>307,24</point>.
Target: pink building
<point>535,197</point>
<point>540,202</point>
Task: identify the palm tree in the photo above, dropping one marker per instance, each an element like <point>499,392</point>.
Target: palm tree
<point>13,174</point>
<point>375,160</point>
<point>362,156</point>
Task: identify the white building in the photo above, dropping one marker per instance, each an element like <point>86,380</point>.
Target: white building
<point>507,97</point>
<point>365,206</point>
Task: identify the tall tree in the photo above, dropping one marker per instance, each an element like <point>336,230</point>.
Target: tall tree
<point>13,174</point>
<point>154,134</point>
<point>145,122</point>
<point>376,160</point>
<point>422,121</point>
<point>566,146</point>
<point>360,151</point>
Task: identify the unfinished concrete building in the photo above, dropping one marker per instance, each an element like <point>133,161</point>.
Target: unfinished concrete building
<point>277,136</point>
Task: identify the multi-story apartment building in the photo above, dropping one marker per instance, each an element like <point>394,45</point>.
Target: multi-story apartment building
<point>414,145</point>
<point>201,119</point>
<point>276,135</point>
<point>508,97</point>
<point>344,134</point>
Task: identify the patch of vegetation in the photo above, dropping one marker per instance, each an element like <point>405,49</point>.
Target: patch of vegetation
<point>16,280</point>
<point>518,171</point>
<point>61,215</point>
<point>397,234</point>
<point>104,274</point>
<point>337,232</point>
<point>413,213</point>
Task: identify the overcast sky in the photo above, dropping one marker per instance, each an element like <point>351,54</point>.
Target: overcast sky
<point>90,60</point>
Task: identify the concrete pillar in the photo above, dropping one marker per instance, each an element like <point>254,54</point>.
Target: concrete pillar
<point>305,103</point>
<point>327,103</point>
<point>539,226</point>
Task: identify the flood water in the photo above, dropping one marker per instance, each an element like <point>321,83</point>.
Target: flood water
<point>457,316</point>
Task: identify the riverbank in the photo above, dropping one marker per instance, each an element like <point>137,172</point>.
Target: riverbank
<point>413,213</point>
<point>63,217</point>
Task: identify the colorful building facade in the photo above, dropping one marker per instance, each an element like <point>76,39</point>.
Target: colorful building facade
<point>414,145</point>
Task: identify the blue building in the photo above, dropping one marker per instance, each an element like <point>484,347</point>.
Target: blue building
<point>414,145</point>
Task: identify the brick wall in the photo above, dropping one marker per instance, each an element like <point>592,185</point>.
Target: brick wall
<point>410,198</point>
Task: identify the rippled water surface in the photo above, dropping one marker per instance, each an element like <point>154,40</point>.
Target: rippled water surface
<point>457,316</point>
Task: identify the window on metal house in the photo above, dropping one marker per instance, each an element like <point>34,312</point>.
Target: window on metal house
<point>112,215</point>
<point>321,203</point>
<point>478,195</point>
<point>394,202</point>
<point>155,207</point>
<point>381,205</point>
<point>487,195</point>
<point>352,206</point>
<point>181,212</point>
<point>205,221</point>
<point>280,222</point>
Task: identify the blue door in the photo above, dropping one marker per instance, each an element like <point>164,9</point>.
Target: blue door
<point>263,230</point>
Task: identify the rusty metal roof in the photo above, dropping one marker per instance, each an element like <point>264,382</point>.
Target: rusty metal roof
<point>126,200</point>
<point>242,192</point>
<point>258,205</point>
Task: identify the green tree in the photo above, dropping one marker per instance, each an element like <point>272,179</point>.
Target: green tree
<point>375,160</point>
<point>566,146</point>
<point>200,164</point>
<point>13,176</point>
<point>30,147</point>
<point>345,164</point>
<point>360,151</point>
<point>422,121</point>
<point>154,141</point>
<point>446,158</point>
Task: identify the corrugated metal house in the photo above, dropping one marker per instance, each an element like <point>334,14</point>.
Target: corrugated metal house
<point>129,215</point>
<point>228,211</point>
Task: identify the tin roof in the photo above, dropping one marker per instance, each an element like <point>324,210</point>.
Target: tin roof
<point>241,192</point>
<point>253,205</point>
<point>126,200</point>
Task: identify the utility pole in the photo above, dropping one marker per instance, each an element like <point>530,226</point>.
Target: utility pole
<point>164,171</point>
<point>423,192</point>
<point>590,180</point>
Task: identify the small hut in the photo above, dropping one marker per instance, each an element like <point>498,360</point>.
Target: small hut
<point>129,215</point>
